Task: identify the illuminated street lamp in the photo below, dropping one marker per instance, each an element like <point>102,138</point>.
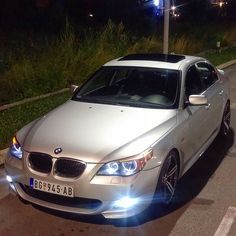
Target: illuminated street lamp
<point>156,2</point>
<point>220,3</point>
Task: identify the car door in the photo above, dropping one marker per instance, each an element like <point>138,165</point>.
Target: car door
<point>195,117</point>
<point>213,90</point>
<point>199,123</point>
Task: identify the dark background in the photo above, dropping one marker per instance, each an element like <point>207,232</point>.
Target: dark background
<point>50,15</point>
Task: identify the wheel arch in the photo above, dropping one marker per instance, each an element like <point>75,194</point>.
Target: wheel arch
<point>178,159</point>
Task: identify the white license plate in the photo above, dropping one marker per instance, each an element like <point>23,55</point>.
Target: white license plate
<point>48,187</point>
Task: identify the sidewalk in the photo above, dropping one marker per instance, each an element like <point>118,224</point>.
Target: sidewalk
<point>223,66</point>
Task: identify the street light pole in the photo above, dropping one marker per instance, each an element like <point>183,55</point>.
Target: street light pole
<point>166,26</point>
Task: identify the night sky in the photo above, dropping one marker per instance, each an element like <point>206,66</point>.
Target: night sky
<point>40,13</point>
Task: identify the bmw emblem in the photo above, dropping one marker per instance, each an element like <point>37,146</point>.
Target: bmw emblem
<point>57,150</point>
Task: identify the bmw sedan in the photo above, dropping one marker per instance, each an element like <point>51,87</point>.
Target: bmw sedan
<point>125,138</point>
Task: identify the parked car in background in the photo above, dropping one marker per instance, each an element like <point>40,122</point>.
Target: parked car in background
<point>124,139</point>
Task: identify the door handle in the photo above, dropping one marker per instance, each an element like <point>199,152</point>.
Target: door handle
<point>221,92</point>
<point>208,106</point>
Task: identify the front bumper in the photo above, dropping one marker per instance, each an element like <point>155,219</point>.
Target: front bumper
<point>93,195</point>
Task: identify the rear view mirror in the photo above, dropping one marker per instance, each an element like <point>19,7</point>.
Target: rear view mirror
<point>73,88</point>
<point>198,100</point>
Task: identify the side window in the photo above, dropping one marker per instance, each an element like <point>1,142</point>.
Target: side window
<point>208,75</point>
<point>193,83</point>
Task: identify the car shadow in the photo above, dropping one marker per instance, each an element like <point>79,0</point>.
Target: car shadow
<point>189,186</point>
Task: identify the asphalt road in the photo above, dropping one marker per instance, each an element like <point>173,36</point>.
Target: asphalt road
<point>205,202</point>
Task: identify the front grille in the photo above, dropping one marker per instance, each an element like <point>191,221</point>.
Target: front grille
<point>77,202</point>
<point>69,168</point>
<point>40,162</point>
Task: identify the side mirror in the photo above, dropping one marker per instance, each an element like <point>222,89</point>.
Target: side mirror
<point>73,88</point>
<point>198,100</point>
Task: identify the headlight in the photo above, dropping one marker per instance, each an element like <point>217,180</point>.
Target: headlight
<point>126,167</point>
<point>15,149</point>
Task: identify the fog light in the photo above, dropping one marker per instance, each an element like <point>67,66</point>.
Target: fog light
<point>9,179</point>
<point>126,202</point>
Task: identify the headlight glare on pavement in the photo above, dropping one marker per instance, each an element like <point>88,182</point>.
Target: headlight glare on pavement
<point>9,179</point>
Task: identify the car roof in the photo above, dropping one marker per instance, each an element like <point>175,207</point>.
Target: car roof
<point>154,60</point>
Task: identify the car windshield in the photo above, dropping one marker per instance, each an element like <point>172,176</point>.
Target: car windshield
<point>132,86</point>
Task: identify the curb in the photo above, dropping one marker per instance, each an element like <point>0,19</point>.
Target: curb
<point>3,152</point>
<point>227,64</point>
<point>7,106</point>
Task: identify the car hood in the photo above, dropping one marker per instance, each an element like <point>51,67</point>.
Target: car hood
<point>96,132</point>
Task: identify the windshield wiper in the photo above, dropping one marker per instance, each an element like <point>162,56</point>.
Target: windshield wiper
<point>100,101</point>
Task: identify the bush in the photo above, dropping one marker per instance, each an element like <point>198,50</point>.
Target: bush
<point>186,45</point>
<point>32,66</point>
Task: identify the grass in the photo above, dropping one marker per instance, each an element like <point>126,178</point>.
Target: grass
<point>218,58</point>
<point>31,66</point>
<point>15,118</point>
<point>56,63</point>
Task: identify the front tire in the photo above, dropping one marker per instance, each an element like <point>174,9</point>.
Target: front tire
<point>168,179</point>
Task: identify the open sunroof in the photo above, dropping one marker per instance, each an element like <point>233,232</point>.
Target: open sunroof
<point>153,57</point>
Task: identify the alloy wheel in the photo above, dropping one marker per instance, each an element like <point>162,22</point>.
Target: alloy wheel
<point>169,178</point>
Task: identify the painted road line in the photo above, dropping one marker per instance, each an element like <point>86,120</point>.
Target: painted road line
<point>226,222</point>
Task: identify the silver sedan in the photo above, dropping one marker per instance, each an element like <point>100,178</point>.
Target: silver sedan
<point>124,139</point>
